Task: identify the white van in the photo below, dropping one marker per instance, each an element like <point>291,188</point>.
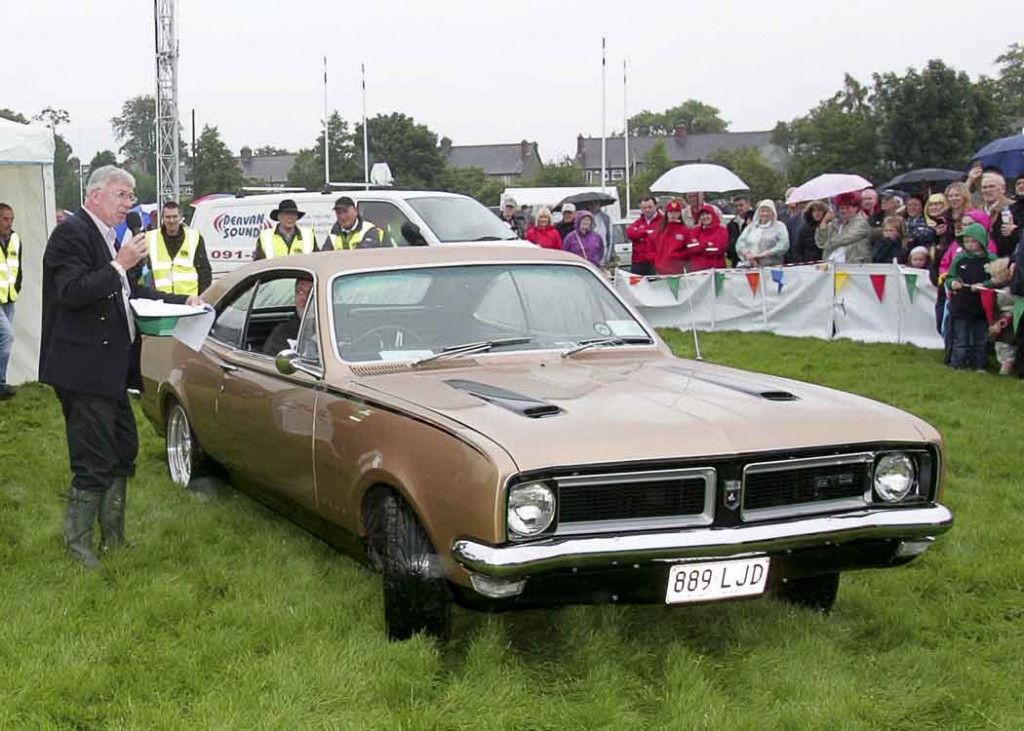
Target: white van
<point>230,226</point>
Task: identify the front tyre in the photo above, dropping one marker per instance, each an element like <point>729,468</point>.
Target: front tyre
<point>416,595</point>
<point>811,592</point>
<point>184,456</point>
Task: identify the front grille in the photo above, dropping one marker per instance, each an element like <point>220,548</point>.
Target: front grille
<point>810,485</point>
<point>625,502</point>
<point>635,501</point>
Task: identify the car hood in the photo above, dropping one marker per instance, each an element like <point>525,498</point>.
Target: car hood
<point>601,408</point>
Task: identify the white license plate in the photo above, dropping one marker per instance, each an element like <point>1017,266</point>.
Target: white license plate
<point>704,581</point>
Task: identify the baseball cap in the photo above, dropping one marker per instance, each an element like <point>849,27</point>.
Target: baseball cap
<point>568,208</point>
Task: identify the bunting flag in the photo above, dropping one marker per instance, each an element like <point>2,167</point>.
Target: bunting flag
<point>1018,310</point>
<point>754,280</point>
<point>988,303</point>
<point>777,277</point>
<point>719,283</point>
<point>911,280</point>
<point>841,278</point>
<point>634,280</point>
<point>878,282</point>
<point>673,286</point>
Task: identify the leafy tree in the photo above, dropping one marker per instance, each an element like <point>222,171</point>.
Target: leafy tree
<point>136,129</point>
<point>13,116</point>
<point>214,167</point>
<point>554,174</point>
<point>748,162</point>
<point>654,163</point>
<point>1010,85</point>
<point>472,182</point>
<point>268,150</point>
<point>409,149</point>
<point>692,115</point>
<point>308,170</point>
<point>101,158</point>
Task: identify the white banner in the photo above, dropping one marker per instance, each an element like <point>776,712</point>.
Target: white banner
<point>865,302</point>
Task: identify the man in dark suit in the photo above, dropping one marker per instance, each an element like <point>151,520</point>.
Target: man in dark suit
<point>90,353</point>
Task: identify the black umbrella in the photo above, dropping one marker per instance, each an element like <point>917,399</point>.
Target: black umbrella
<point>924,178</point>
<point>602,199</point>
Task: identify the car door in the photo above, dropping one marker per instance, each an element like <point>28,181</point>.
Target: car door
<point>266,417</point>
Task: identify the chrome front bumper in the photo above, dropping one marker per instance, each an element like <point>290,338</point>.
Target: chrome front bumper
<point>516,560</point>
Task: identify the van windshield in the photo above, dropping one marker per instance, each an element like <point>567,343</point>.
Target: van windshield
<point>460,219</point>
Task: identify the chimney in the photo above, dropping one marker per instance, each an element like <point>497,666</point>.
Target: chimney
<point>446,146</point>
<point>579,147</point>
<point>245,153</point>
<point>680,133</point>
<point>524,150</point>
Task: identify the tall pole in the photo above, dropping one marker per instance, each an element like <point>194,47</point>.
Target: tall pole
<point>604,141</point>
<point>167,137</point>
<point>625,127</point>
<point>366,135</point>
<point>327,135</point>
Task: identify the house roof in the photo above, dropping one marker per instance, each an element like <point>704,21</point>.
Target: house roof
<point>683,149</point>
<point>494,159</point>
<point>266,168</point>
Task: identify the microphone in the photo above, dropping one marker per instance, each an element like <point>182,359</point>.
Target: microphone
<point>134,221</point>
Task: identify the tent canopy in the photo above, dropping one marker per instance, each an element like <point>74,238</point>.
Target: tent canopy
<point>25,144</point>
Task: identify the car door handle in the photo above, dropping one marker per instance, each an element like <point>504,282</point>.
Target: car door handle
<point>227,367</point>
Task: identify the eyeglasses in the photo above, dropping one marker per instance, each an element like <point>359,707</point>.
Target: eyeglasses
<point>123,196</point>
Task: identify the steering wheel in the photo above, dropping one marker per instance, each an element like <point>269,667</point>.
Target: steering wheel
<point>389,337</point>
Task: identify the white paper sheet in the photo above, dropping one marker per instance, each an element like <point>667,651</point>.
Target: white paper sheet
<point>159,308</point>
<point>192,331</point>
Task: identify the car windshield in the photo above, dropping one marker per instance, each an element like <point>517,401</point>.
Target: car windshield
<point>453,218</point>
<point>416,313</point>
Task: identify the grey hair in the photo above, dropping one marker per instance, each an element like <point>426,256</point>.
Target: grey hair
<point>107,175</point>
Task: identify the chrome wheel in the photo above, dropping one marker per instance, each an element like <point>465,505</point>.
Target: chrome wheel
<point>180,456</point>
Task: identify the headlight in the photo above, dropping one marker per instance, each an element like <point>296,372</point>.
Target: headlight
<point>895,477</point>
<point>531,508</point>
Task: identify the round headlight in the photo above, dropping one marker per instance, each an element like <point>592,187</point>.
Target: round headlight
<point>531,508</point>
<point>894,477</point>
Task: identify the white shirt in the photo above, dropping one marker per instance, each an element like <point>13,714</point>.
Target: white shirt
<point>109,236</point>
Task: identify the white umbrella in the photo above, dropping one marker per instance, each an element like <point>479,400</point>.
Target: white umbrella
<point>827,185</point>
<point>698,177</point>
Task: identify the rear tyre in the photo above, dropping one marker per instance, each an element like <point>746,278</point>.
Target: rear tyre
<point>811,592</point>
<point>416,594</point>
<point>184,455</point>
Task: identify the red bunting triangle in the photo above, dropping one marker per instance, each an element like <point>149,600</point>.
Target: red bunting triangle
<point>633,281</point>
<point>754,280</point>
<point>878,282</point>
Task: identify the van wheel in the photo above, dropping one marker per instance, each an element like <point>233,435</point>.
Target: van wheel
<point>811,592</point>
<point>184,455</point>
<point>416,595</point>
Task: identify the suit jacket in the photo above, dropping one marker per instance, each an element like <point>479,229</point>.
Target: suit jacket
<point>85,341</point>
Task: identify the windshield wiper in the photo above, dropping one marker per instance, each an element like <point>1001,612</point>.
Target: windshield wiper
<point>605,343</point>
<point>494,238</point>
<point>481,346</point>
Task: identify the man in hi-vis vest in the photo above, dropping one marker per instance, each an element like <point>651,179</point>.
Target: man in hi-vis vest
<point>177,255</point>
<point>10,286</point>
<point>352,231</point>
<point>287,237</point>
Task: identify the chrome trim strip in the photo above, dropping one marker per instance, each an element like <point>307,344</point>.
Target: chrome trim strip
<point>524,559</point>
<point>706,516</point>
<point>818,506</point>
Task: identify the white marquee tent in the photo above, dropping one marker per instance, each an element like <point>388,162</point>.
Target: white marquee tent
<point>26,184</point>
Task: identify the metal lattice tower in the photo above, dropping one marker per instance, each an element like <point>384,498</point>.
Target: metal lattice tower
<point>167,139</point>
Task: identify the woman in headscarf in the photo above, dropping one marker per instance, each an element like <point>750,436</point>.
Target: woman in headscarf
<point>765,242</point>
<point>584,240</point>
<point>708,242</point>
<point>670,240</point>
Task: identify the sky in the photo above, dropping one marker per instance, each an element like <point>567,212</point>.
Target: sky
<point>478,72</point>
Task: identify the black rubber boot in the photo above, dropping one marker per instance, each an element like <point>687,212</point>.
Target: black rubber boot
<point>112,514</point>
<point>83,508</point>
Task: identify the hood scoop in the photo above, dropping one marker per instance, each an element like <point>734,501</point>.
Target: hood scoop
<point>515,402</point>
<point>751,388</point>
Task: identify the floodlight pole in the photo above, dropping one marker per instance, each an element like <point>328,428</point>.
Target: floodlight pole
<point>366,134</point>
<point>604,94</point>
<point>167,139</point>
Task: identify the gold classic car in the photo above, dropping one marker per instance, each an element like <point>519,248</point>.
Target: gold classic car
<point>492,426</point>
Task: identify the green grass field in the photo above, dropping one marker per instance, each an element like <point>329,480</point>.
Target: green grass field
<point>226,616</point>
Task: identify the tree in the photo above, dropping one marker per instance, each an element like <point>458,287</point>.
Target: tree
<point>53,118</point>
<point>748,162</point>
<point>692,115</point>
<point>472,182</point>
<point>214,167</point>
<point>13,116</point>
<point>409,149</point>
<point>268,150</point>
<point>101,158</point>
<point>308,170</point>
<point>136,128</point>
<point>562,173</point>
<point>1010,86</point>
<point>653,164</point>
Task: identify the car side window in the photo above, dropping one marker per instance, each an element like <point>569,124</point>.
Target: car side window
<point>387,217</point>
<point>229,327</point>
<point>308,344</point>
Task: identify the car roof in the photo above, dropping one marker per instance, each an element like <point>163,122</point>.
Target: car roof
<point>273,199</point>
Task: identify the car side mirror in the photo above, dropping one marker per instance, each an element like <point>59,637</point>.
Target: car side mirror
<point>289,362</point>
<point>411,233</point>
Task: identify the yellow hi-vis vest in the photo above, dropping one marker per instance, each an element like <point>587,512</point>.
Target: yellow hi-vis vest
<point>177,276</point>
<point>352,239</point>
<point>9,267</point>
<point>273,245</point>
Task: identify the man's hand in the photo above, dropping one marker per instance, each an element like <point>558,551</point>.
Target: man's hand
<point>132,252</point>
<point>195,301</point>
<point>1008,228</point>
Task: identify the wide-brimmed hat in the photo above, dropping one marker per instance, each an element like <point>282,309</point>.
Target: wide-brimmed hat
<point>286,206</point>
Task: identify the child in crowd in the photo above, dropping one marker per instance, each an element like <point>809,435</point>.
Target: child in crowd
<point>918,258</point>
<point>967,320</point>
<point>889,245</point>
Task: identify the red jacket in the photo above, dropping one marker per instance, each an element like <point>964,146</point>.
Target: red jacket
<point>668,247</point>
<point>706,247</point>
<point>643,234</point>
<point>547,237</point>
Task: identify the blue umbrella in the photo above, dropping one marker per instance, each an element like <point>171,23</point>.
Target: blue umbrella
<point>1007,154</point>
